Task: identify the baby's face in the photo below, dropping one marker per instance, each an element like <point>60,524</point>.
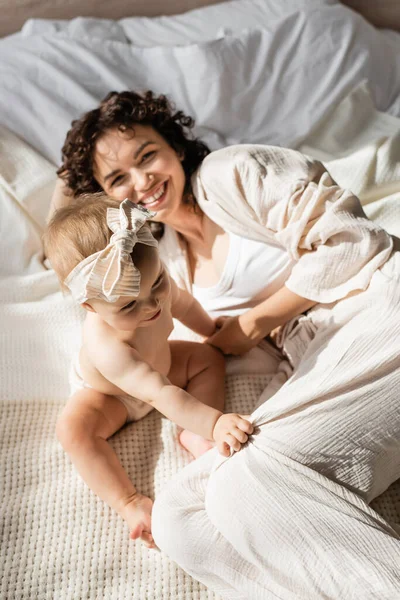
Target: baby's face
<point>129,313</point>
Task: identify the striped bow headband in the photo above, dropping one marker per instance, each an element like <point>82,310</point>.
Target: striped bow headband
<point>110,273</point>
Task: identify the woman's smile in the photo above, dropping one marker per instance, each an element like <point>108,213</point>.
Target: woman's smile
<point>153,202</point>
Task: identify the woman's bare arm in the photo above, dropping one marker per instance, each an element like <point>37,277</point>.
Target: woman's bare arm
<point>239,334</point>
<point>189,311</point>
<point>62,196</point>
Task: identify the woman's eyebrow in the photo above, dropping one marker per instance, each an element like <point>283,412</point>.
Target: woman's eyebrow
<point>141,147</point>
<point>111,174</point>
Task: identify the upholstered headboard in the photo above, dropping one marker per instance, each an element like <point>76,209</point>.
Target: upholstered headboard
<point>15,13</point>
<point>382,13</point>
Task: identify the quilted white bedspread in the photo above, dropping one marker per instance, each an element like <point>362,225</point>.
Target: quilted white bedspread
<point>58,541</point>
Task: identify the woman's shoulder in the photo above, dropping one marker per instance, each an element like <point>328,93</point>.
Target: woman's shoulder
<point>235,153</point>
<point>220,166</point>
<point>250,157</point>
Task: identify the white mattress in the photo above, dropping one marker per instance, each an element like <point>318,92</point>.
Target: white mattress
<point>57,540</point>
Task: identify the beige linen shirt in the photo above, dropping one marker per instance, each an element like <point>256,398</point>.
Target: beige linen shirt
<point>286,199</point>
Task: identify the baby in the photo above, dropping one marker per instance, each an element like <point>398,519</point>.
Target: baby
<point>105,254</point>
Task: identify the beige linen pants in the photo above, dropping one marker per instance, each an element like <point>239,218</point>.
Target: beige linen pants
<point>287,517</point>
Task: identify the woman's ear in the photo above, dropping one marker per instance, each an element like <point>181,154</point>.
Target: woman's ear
<point>87,306</point>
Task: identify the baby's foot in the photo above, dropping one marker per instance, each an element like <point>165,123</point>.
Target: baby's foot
<point>194,443</point>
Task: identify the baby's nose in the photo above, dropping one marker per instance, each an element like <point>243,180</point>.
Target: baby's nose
<point>152,302</point>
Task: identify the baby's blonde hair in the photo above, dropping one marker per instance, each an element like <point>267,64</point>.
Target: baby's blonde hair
<point>77,231</point>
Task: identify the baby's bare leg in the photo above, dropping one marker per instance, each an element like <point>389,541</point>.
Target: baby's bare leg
<point>200,370</point>
<point>87,421</point>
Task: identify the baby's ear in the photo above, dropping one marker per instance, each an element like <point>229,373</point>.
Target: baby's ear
<point>87,306</point>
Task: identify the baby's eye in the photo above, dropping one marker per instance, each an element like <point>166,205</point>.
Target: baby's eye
<point>158,280</point>
<point>129,305</point>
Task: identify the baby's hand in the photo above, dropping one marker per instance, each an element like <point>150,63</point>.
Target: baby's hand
<point>230,432</point>
<point>138,516</point>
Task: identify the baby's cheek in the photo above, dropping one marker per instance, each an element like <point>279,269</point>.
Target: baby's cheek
<point>164,290</point>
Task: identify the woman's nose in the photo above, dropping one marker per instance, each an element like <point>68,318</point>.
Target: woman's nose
<point>141,180</point>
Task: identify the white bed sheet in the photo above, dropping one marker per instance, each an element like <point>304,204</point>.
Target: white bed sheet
<point>267,85</point>
<point>275,85</point>
<point>58,540</point>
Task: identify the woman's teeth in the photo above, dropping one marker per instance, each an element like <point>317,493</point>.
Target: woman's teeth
<point>155,197</point>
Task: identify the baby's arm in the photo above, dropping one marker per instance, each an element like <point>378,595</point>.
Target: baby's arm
<point>189,311</point>
<point>87,421</point>
<point>137,378</point>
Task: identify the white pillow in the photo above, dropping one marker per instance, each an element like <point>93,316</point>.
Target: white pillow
<point>195,26</point>
<point>267,86</point>
<point>360,147</point>
<point>26,186</point>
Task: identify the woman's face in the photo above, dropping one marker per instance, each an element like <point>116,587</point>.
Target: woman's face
<point>142,166</point>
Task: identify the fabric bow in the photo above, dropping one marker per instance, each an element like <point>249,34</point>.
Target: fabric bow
<point>110,273</point>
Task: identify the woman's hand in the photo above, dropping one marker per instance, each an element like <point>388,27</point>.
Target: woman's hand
<point>137,513</point>
<point>230,432</point>
<point>236,335</point>
<point>239,334</point>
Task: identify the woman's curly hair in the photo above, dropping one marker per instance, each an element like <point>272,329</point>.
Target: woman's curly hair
<point>124,110</point>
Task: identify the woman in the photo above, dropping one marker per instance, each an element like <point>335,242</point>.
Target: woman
<point>261,235</point>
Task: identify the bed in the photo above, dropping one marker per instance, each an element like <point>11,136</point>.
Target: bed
<point>309,74</point>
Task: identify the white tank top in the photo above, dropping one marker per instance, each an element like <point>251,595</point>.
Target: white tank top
<point>253,271</point>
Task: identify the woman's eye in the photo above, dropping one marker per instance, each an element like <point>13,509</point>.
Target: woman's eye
<point>117,180</point>
<point>147,155</point>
